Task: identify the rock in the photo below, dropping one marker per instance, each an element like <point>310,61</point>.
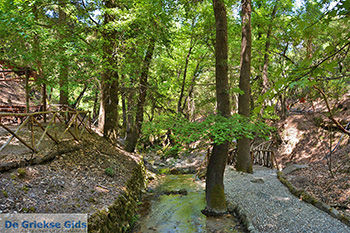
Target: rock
<point>174,171</point>
<point>293,167</point>
<point>257,180</point>
<point>175,192</point>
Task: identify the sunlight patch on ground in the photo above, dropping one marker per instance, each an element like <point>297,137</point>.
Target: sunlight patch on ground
<point>291,137</point>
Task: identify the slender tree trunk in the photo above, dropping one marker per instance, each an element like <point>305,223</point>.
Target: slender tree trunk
<point>132,138</point>
<point>95,109</point>
<point>38,55</point>
<point>38,63</point>
<point>44,99</point>
<point>78,99</point>
<point>214,190</point>
<point>244,162</point>
<point>267,51</point>
<point>63,71</point>
<point>179,108</point>
<point>131,109</point>
<point>27,90</point>
<point>193,82</point>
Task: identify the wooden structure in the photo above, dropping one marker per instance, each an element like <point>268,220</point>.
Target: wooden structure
<point>75,123</point>
<point>261,155</point>
<point>30,76</point>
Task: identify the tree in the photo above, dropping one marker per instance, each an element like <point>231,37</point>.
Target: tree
<point>214,189</point>
<point>64,65</point>
<point>134,133</point>
<point>244,162</point>
<point>109,117</point>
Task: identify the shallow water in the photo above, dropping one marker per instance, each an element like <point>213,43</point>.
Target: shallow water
<point>182,213</point>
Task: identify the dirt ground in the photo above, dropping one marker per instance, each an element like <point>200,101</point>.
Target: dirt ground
<point>84,181</point>
<point>306,139</point>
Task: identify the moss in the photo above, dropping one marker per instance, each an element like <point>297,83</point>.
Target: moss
<point>92,200</point>
<point>121,213</point>
<point>345,219</point>
<point>21,172</point>
<point>109,172</point>
<point>312,200</point>
<point>5,193</point>
<point>13,176</point>
<point>217,202</point>
<point>164,171</point>
<point>25,189</point>
<point>308,198</point>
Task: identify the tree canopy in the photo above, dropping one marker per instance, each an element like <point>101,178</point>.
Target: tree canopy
<point>148,69</point>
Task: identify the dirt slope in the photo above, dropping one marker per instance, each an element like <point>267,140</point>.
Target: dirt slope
<point>307,139</point>
<point>12,92</point>
<point>72,183</point>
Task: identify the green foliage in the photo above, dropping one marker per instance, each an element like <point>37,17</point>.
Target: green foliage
<point>172,151</point>
<point>21,172</point>
<point>308,46</point>
<point>164,171</point>
<point>109,172</point>
<point>5,194</point>
<point>214,128</point>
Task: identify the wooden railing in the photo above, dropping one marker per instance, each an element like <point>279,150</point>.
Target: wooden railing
<point>264,158</point>
<point>260,155</point>
<point>75,123</point>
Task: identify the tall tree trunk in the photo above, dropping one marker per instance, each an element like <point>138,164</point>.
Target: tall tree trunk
<point>63,71</point>
<point>134,134</point>
<point>44,99</point>
<point>95,108</point>
<point>131,108</point>
<point>110,104</point>
<point>124,116</point>
<point>27,88</point>
<point>244,162</point>
<point>39,67</point>
<point>214,189</point>
<point>109,118</point>
<point>267,51</point>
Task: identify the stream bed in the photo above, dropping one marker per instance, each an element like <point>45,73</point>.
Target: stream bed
<point>174,206</point>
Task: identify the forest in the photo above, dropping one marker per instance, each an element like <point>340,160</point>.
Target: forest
<point>233,87</point>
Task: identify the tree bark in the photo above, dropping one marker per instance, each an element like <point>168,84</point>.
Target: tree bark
<point>134,134</point>
<point>27,88</point>
<point>214,190</point>
<point>95,108</point>
<point>63,71</point>
<point>39,66</point>
<point>109,104</point>
<point>124,116</point>
<point>267,51</point>
<point>78,99</point>
<point>44,99</point>
<point>109,118</point>
<point>179,108</point>
<point>244,162</point>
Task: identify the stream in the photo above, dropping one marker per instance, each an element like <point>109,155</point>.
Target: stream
<point>174,206</point>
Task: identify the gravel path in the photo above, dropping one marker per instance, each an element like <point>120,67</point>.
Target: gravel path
<point>272,208</point>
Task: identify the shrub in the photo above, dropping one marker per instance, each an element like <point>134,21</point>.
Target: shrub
<point>109,172</point>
